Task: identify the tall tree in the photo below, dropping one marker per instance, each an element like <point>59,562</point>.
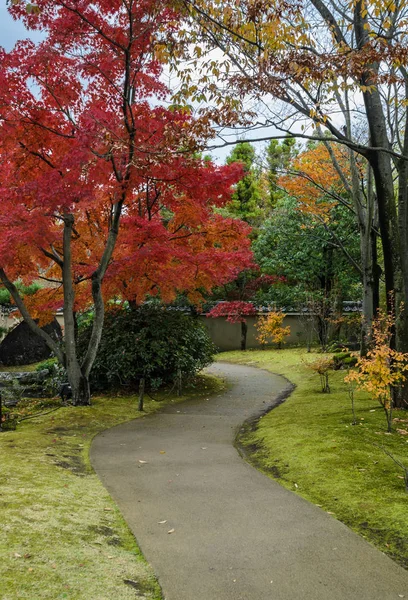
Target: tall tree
<point>246,199</point>
<point>279,155</point>
<point>325,61</point>
<point>101,192</point>
<point>323,176</point>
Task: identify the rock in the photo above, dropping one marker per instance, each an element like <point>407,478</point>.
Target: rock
<point>22,347</point>
<point>23,384</point>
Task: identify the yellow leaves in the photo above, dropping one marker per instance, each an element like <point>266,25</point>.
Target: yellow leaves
<point>321,365</point>
<point>270,328</point>
<point>161,53</point>
<point>383,368</point>
<point>315,173</point>
<point>368,88</point>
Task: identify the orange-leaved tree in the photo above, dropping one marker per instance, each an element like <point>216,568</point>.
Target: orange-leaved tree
<point>270,328</point>
<point>383,368</point>
<point>324,177</point>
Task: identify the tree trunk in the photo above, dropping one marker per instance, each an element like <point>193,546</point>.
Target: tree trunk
<point>141,394</point>
<point>381,166</point>
<point>368,288</point>
<point>81,395</point>
<point>244,331</point>
<point>401,399</point>
<point>376,274</point>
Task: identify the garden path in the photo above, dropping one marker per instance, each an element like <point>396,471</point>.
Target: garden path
<point>235,533</point>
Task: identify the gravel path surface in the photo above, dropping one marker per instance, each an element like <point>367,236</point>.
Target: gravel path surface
<point>212,526</point>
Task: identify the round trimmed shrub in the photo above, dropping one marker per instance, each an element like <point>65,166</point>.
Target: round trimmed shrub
<point>149,342</point>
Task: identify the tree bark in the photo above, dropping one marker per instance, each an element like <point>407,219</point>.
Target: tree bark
<point>78,380</point>
<point>141,394</point>
<point>244,331</point>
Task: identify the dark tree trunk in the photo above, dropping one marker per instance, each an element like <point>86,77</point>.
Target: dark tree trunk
<point>81,395</point>
<point>244,331</point>
<point>401,398</point>
<point>376,274</point>
<point>141,394</point>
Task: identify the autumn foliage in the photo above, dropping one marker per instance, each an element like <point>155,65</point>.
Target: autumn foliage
<point>322,366</point>
<point>314,181</point>
<point>104,193</point>
<point>383,368</point>
<point>270,328</point>
<point>234,312</point>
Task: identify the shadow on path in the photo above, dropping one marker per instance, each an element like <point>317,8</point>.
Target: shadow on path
<point>238,535</point>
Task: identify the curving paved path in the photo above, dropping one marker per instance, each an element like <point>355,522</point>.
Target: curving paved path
<point>238,535</point>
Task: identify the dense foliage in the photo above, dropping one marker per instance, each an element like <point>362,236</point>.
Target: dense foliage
<point>104,192</point>
<point>149,342</point>
<point>292,245</point>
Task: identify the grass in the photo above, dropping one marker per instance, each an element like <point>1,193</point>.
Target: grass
<point>19,369</point>
<point>310,445</point>
<point>61,534</point>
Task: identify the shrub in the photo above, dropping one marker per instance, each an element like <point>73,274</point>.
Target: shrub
<point>150,342</point>
<point>270,328</point>
<point>56,376</point>
<point>350,361</point>
<point>383,368</point>
<point>322,366</point>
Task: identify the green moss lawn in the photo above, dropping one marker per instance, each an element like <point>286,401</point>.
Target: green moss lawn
<point>61,534</point>
<point>310,445</point>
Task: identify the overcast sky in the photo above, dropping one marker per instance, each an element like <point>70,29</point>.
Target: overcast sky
<point>11,31</point>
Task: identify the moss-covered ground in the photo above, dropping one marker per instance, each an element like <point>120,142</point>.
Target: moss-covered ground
<point>61,535</point>
<point>310,446</point>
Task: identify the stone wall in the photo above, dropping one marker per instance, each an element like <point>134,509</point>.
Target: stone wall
<point>227,336</point>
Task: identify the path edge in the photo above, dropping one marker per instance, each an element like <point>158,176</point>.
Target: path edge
<point>251,424</point>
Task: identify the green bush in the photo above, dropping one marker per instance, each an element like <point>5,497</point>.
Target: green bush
<point>350,361</point>
<point>151,342</point>
<point>344,360</point>
<point>57,375</point>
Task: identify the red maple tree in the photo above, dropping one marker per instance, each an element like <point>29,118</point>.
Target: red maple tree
<point>102,190</point>
<point>235,312</point>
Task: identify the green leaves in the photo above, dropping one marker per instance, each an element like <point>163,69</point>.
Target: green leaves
<point>149,342</point>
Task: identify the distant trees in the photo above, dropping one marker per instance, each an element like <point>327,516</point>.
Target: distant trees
<point>338,69</point>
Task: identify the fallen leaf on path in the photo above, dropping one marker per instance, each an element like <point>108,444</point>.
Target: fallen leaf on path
<point>171,531</point>
<point>205,448</point>
<point>143,462</point>
<point>162,522</point>
<point>162,452</point>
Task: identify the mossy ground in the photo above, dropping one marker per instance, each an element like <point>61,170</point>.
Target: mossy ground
<point>309,444</point>
<point>61,534</point>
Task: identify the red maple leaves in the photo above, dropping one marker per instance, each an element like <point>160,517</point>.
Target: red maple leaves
<point>82,134</point>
